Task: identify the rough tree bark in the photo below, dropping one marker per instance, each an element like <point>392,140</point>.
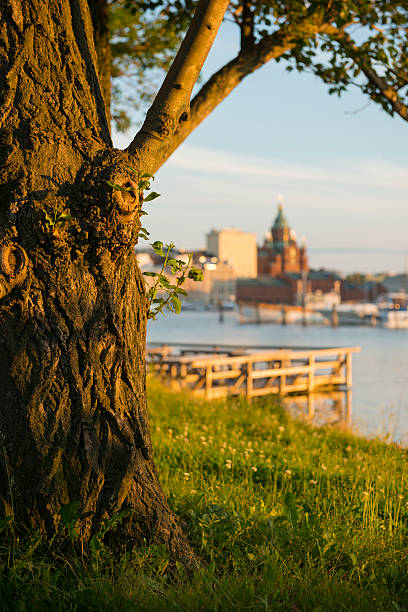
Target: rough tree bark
<point>100,22</point>
<point>73,418</point>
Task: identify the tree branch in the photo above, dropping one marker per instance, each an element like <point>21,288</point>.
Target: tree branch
<point>373,77</point>
<point>223,82</point>
<point>247,26</point>
<point>172,104</point>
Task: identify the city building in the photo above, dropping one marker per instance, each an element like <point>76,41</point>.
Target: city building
<point>396,283</point>
<point>238,249</point>
<point>284,276</point>
<point>280,253</point>
<point>219,282</point>
<point>366,291</point>
<point>275,273</point>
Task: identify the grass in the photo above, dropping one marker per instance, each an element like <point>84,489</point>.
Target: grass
<point>284,516</point>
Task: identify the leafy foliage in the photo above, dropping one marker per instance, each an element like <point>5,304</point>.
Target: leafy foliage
<point>163,294</point>
<point>55,220</point>
<point>69,517</point>
<point>143,45</point>
<point>343,42</point>
<point>172,290</point>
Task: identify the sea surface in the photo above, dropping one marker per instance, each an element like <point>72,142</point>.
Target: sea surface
<point>379,396</point>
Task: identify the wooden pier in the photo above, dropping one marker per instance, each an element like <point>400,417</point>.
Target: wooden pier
<point>234,371</point>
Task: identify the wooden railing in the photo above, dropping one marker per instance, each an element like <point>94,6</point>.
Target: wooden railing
<point>255,374</point>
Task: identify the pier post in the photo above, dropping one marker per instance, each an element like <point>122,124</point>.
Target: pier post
<point>173,376</point>
<point>183,374</point>
<point>349,376</point>
<point>220,312</point>
<point>304,319</point>
<point>335,316</point>
<point>258,314</point>
<point>241,311</point>
<point>310,377</point>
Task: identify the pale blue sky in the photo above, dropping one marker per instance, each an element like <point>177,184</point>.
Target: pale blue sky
<point>343,175</point>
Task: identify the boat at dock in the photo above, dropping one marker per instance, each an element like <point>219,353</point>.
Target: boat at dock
<point>314,314</point>
<point>394,318</point>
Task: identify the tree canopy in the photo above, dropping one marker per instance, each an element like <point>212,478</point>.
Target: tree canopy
<point>345,43</point>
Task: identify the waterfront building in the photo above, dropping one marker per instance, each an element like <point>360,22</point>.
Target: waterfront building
<point>236,248</point>
<point>280,253</point>
<point>219,282</point>
<point>284,276</point>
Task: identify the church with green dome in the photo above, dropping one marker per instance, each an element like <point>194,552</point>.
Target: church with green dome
<point>280,253</point>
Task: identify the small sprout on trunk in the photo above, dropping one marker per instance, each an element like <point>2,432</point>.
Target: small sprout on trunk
<point>170,291</point>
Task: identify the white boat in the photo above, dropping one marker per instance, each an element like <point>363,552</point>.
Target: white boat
<point>392,317</point>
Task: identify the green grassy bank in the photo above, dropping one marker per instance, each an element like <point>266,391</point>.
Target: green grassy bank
<point>284,517</point>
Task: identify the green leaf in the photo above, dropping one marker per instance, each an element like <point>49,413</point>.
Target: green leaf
<point>152,196</point>
<point>95,545</point>
<point>142,185</point>
<point>164,281</point>
<point>175,300</point>
<point>175,265</point>
<point>196,274</point>
<point>157,247</point>
<point>152,274</point>
<point>143,233</point>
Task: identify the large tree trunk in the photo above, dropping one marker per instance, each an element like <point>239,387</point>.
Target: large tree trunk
<point>73,416</point>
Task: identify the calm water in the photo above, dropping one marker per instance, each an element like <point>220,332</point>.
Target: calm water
<point>380,376</point>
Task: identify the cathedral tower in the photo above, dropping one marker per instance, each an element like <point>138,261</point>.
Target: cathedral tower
<point>280,253</point>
